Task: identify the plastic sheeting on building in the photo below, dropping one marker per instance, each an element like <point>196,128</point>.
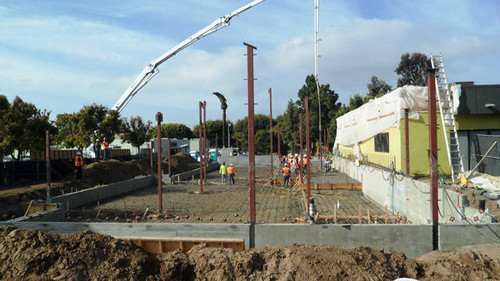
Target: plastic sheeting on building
<point>383,113</point>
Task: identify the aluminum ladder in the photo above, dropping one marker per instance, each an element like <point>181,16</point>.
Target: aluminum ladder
<point>447,117</point>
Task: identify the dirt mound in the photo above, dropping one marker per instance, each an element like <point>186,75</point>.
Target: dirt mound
<point>33,255</point>
<point>110,171</point>
<point>181,162</point>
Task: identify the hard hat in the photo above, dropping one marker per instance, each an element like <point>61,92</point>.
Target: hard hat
<point>231,164</point>
<point>78,153</point>
<point>285,165</point>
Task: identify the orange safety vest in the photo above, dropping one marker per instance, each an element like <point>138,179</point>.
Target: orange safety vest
<point>230,170</point>
<point>78,161</point>
<point>286,171</point>
<point>105,144</point>
<point>304,161</point>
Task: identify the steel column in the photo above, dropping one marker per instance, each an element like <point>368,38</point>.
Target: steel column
<point>159,119</point>
<point>47,159</point>
<point>279,143</point>
<point>251,132</point>
<point>407,142</point>
<point>433,161</point>
<point>199,152</point>
<point>301,154</point>
<point>169,163</point>
<point>205,145</point>
<point>271,129</point>
<point>308,147</point>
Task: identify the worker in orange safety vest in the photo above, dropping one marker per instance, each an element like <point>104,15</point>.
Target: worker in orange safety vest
<point>230,173</point>
<point>286,175</point>
<point>105,146</point>
<point>79,165</point>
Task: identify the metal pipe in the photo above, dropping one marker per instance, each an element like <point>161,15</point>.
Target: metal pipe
<point>433,161</point>
<point>159,119</point>
<point>251,131</point>
<point>200,183</point>
<point>48,170</point>
<point>407,141</point>
<point>301,154</point>
<point>271,129</point>
<point>308,147</point>
<point>205,145</point>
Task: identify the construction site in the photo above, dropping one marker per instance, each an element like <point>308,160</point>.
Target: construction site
<point>409,189</point>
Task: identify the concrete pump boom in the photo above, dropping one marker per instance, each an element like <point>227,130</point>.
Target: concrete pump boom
<point>152,68</point>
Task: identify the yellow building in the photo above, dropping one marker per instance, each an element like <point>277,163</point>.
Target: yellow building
<point>375,132</point>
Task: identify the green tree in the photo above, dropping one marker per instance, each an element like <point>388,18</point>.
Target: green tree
<point>413,69</point>
<point>135,131</point>
<point>173,131</point>
<point>261,122</point>
<point>377,87</point>
<point>214,129</point>
<point>23,127</point>
<point>262,141</point>
<point>329,103</point>
<point>81,128</point>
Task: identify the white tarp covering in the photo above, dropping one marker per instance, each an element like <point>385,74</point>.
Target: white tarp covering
<point>379,114</point>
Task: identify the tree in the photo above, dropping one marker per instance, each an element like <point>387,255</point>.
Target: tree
<point>377,87</point>
<point>23,127</point>
<point>135,131</point>
<point>173,131</point>
<point>328,104</point>
<point>262,141</point>
<point>261,122</point>
<point>223,106</point>
<point>91,122</point>
<point>413,69</point>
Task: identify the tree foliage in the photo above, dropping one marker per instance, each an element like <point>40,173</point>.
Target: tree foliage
<point>214,129</point>
<point>135,131</point>
<point>261,122</point>
<point>22,127</point>
<point>91,122</point>
<point>172,130</point>
<point>412,69</point>
<point>377,87</point>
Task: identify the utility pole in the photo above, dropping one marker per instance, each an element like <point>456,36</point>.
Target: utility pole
<point>316,55</point>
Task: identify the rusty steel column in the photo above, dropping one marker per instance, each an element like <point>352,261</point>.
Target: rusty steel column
<point>308,147</point>
<point>169,163</point>
<point>294,145</point>
<point>271,129</point>
<point>433,161</point>
<point>205,144</point>
<point>151,166</point>
<point>251,132</point>
<point>47,166</point>
<point>200,183</point>
<point>301,155</point>
<point>279,143</point>
<point>407,142</point>
<point>159,119</point>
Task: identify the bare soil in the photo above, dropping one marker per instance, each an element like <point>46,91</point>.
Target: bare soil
<point>34,255</point>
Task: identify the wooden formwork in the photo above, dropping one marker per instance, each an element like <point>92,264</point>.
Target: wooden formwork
<point>163,245</point>
<point>320,186</point>
<point>36,207</point>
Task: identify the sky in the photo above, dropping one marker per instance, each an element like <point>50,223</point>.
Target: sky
<point>63,55</point>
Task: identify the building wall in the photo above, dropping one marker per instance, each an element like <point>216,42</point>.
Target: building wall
<point>419,145</point>
<point>478,122</point>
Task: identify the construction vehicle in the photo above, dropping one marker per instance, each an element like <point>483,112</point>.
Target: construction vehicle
<point>152,68</point>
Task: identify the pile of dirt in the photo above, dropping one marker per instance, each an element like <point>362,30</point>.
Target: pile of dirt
<point>181,162</point>
<point>110,171</point>
<point>33,255</point>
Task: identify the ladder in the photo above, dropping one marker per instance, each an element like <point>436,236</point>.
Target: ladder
<point>447,117</point>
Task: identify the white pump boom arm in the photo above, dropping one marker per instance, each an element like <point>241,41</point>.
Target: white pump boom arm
<point>152,68</point>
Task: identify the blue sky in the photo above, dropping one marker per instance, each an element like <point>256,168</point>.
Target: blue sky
<point>62,55</point>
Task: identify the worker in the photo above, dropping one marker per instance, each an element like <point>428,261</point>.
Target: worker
<point>97,149</point>
<point>304,162</point>
<point>79,165</point>
<point>105,146</point>
<point>230,172</point>
<point>223,172</point>
<point>286,175</point>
